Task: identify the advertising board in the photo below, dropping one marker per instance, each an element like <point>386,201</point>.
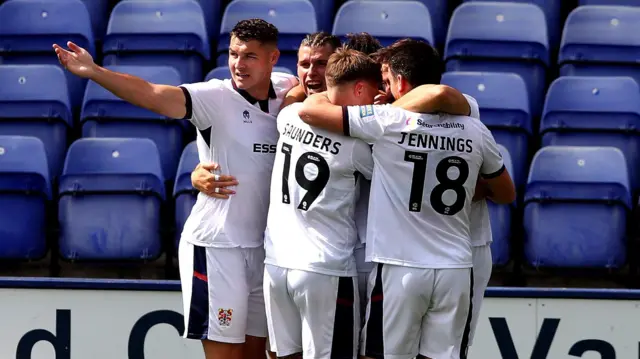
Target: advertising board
<point>80,319</point>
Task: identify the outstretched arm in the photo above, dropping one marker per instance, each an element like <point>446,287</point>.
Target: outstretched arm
<point>435,98</point>
<point>319,112</point>
<point>169,101</point>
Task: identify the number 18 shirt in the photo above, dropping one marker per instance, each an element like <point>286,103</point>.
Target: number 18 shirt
<point>311,223</point>
<point>425,171</point>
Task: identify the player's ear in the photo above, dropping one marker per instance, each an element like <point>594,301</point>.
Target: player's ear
<point>358,88</point>
<point>275,55</point>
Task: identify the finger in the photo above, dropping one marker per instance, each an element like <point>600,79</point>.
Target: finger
<point>224,191</point>
<point>210,166</point>
<point>217,195</point>
<point>214,185</point>
<point>225,179</point>
<point>74,47</point>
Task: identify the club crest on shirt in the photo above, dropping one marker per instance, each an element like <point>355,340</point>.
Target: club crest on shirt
<point>366,111</point>
<point>247,117</point>
<point>224,317</point>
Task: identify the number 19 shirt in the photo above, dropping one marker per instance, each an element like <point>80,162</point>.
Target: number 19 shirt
<point>425,172</point>
<point>311,223</point>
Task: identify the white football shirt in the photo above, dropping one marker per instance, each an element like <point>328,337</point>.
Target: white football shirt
<point>311,223</point>
<point>426,168</point>
<point>480,226</point>
<point>240,134</point>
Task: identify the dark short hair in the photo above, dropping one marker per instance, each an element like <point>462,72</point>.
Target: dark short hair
<point>363,42</point>
<point>417,61</point>
<point>255,29</point>
<point>320,39</point>
<point>347,65</point>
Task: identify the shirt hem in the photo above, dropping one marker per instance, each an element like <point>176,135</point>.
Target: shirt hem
<point>420,265</point>
<point>311,269</point>
<point>199,243</point>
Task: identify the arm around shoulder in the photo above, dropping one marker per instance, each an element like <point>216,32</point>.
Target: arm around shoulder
<point>434,98</point>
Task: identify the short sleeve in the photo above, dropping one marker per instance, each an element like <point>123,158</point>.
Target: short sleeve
<point>473,105</point>
<point>362,159</point>
<point>369,122</point>
<point>492,163</point>
<point>204,102</point>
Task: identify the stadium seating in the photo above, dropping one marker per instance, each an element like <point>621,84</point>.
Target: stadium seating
<point>105,115</point>
<point>595,111</point>
<point>223,72</point>
<point>28,29</point>
<point>111,191</point>
<point>293,18</point>
<point>500,216</point>
<point>386,20</point>
<point>165,33</point>
<point>553,12</point>
<point>34,101</point>
<point>609,2</point>
<point>505,113</point>
<point>99,15</point>
<point>501,37</point>
<point>184,194</point>
<point>576,206</point>
<point>25,193</point>
<point>601,41</point>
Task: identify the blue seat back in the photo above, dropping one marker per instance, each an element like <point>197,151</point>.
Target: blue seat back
<point>222,72</point>
<point>129,165</point>
<point>183,192</point>
<point>506,113</point>
<point>491,37</point>
<point>100,103</point>
<point>324,14</point>
<point>609,2</point>
<point>500,218</point>
<point>601,34</point>
<point>169,33</point>
<point>35,102</point>
<point>23,166</point>
<point>553,13</point>
<point>28,29</point>
<point>105,115</point>
<point>99,15</point>
<point>581,174</point>
<point>576,207</point>
<point>24,191</point>
<point>595,111</point>
<point>386,20</point>
<point>293,18</point>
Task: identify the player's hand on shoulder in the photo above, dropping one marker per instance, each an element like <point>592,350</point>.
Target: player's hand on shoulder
<point>296,94</point>
<point>77,60</point>
<point>383,98</point>
<point>211,184</point>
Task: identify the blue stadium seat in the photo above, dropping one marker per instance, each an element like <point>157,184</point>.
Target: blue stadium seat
<point>158,33</point>
<point>439,13</point>
<point>99,14</point>
<point>609,2</point>
<point>324,14</point>
<point>386,20</point>
<point>34,101</point>
<point>111,191</point>
<point>184,194</point>
<point>105,115</point>
<point>576,206</point>
<point>293,18</point>
<point>553,14</point>
<point>25,192</point>
<point>595,111</point>
<point>223,72</point>
<point>501,37</point>
<point>500,217</point>
<point>28,29</point>
<point>601,41</point>
<point>505,112</point>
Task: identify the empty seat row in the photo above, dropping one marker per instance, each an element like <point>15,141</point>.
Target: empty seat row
<point>111,197</point>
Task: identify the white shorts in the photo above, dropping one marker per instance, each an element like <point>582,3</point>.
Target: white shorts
<point>364,270</point>
<point>482,267</point>
<point>311,313</point>
<point>415,311</point>
<point>222,292</point>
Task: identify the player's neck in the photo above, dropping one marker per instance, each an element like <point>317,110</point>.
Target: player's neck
<point>261,90</point>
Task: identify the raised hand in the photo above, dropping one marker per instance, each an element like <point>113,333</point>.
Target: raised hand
<point>79,61</point>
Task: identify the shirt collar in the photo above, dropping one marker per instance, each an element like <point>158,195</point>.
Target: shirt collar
<point>252,100</point>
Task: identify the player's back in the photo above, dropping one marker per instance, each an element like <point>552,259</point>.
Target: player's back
<point>426,168</point>
<point>311,222</point>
